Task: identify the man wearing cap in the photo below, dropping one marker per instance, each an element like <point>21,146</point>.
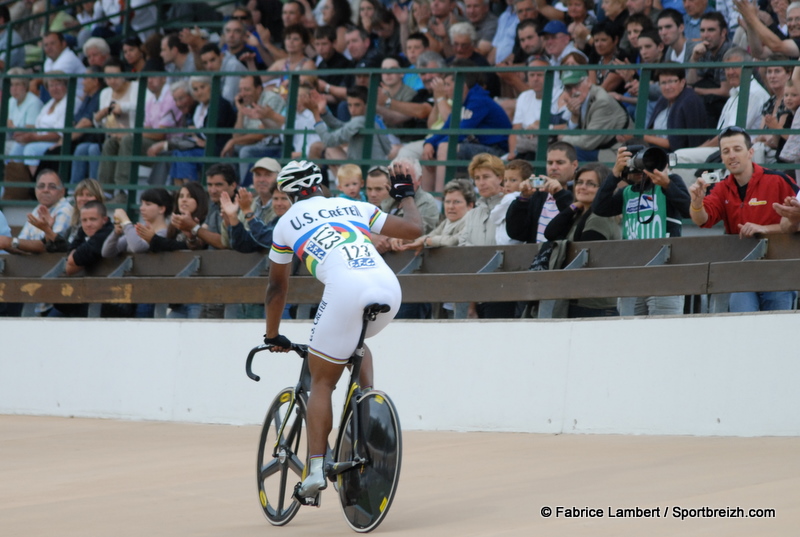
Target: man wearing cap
<point>160,112</point>
<point>558,43</point>
<point>265,172</point>
<point>591,108</point>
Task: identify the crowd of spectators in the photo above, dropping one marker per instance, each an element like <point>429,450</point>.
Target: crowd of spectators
<point>576,197</point>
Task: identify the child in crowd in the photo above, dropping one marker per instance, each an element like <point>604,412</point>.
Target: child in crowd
<point>791,100</point>
<point>351,183</point>
<point>516,172</point>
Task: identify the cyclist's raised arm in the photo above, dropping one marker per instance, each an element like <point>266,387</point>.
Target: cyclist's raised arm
<point>409,226</point>
<point>276,296</point>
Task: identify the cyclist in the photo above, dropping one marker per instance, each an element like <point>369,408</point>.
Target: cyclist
<point>332,237</point>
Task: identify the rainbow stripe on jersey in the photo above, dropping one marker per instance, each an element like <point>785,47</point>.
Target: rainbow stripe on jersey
<point>314,246</point>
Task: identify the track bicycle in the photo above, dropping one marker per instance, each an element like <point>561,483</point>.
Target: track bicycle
<point>364,464</point>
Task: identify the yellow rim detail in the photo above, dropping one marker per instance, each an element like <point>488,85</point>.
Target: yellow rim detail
<point>263,498</point>
<point>383,504</point>
<point>378,399</point>
<point>285,397</point>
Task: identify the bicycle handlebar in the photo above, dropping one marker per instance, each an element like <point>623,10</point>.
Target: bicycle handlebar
<point>301,350</point>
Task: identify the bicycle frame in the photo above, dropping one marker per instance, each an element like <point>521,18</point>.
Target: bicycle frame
<point>353,395</point>
<point>365,495</point>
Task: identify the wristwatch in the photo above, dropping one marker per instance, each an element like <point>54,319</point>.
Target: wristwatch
<point>249,215</point>
<point>195,229</point>
<point>388,103</point>
<point>15,243</point>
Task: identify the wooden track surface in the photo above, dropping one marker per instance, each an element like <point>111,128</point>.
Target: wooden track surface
<point>85,478</point>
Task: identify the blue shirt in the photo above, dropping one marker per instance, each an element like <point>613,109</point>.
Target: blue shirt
<point>691,27</point>
<point>506,34</point>
<point>479,112</point>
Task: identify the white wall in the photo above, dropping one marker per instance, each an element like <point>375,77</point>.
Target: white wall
<point>723,375</point>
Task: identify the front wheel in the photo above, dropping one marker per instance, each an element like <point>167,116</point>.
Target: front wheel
<point>282,457</point>
<point>366,492</point>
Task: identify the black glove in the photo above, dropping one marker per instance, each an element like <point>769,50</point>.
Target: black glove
<point>402,186</point>
<point>278,341</point>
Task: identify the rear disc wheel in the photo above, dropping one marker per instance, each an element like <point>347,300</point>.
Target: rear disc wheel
<point>366,492</point>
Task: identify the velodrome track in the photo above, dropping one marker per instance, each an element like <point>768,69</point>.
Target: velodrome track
<point>65,477</point>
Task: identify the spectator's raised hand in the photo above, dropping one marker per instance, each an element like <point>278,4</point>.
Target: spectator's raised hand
<point>245,198</point>
<point>771,122</point>
<point>551,186</point>
<point>319,102</point>
<point>263,33</point>
<point>623,155</point>
<point>748,11</point>
<point>659,177</point>
<point>698,193</point>
<point>400,13</point>
<point>230,208</point>
<point>790,209</point>
<point>251,39</point>
<point>438,88</point>
<point>145,232</point>
<point>42,219</point>
<point>193,38</point>
<point>121,217</point>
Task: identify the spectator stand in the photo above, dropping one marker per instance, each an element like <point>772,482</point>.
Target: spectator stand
<point>694,266</point>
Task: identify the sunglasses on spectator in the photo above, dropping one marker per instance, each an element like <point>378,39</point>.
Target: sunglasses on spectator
<point>382,169</point>
<point>733,130</point>
<point>240,18</point>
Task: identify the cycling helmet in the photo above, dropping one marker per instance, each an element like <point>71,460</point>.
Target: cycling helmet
<point>297,176</point>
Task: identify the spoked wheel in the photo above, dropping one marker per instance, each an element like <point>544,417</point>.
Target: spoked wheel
<point>367,492</point>
<point>277,475</point>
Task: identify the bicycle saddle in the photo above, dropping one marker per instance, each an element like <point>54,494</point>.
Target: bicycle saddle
<point>373,310</point>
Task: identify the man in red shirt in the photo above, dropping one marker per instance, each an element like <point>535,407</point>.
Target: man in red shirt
<point>744,202</point>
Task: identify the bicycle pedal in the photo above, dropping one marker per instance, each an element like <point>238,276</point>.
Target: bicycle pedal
<point>311,501</point>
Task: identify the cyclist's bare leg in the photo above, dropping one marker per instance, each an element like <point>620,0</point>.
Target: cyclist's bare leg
<point>324,376</point>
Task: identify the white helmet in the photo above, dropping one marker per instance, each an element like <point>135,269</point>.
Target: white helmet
<point>297,176</point>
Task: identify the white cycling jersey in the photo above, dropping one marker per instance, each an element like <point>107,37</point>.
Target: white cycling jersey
<point>332,238</point>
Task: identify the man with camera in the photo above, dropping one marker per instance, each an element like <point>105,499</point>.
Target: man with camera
<point>652,203</point>
<point>543,197</point>
<point>744,202</point>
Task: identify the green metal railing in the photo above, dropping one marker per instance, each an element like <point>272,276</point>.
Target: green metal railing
<point>451,163</point>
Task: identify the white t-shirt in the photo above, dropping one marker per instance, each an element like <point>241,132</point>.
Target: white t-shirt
<point>331,236</point>
<point>68,62</point>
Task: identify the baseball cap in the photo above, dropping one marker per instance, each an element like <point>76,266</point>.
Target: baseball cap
<point>569,78</point>
<point>554,27</point>
<point>269,164</point>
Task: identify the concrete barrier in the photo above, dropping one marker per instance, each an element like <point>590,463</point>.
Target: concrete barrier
<point>733,375</point>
